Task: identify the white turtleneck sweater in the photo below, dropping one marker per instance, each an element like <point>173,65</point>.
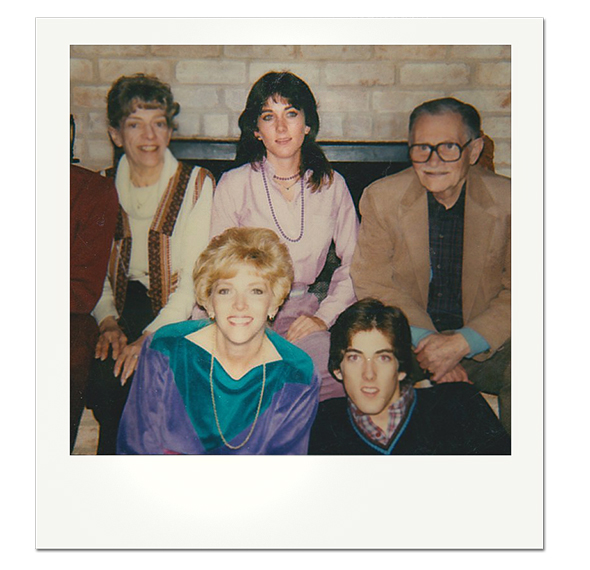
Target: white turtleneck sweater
<point>189,239</point>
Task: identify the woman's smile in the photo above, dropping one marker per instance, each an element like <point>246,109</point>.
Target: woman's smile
<point>144,136</point>
<point>239,321</point>
<point>241,305</point>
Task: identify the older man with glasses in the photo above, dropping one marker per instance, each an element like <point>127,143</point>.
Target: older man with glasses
<point>435,241</point>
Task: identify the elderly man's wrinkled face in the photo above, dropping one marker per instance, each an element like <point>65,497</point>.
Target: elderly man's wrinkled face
<point>444,179</point>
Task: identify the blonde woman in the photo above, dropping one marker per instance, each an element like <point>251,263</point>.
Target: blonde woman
<point>226,385</point>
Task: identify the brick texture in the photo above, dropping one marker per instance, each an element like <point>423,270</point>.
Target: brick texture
<point>365,93</point>
<point>81,70</point>
<point>211,72</point>
<point>364,74</point>
<point>336,53</point>
<point>260,52</point>
<point>421,74</point>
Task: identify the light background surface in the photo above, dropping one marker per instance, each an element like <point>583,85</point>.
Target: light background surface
<point>289,502</point>
<point>408,485</point>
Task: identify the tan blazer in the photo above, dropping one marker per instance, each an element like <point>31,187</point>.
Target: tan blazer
<point>392,262</point>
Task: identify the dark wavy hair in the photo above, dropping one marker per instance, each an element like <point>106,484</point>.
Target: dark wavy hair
<point>367,315</point>
<point>287,86</point>
<point>139,91</point>
<point>468,113</point>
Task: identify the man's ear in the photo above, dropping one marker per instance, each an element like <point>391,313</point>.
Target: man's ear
<point>116,137</point>
<point>475,150</point>
<point>338,374</point>
<point>401,376</point>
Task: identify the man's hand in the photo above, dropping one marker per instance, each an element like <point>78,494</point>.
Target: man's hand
<point>304,325</point>
<point>441,353</point>
<point>457,374</point>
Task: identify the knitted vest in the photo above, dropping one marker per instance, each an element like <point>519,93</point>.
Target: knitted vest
<point>162,281</point>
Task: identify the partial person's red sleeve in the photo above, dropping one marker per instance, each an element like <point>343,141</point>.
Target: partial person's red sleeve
<point>93,217</point>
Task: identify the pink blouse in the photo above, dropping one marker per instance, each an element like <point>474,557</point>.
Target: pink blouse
<point>240,200</point>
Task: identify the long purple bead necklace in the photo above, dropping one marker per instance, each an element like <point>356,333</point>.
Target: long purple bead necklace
<point>274,216</point>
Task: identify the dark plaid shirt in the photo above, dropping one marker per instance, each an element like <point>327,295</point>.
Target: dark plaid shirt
<point>396,412</point>
<point>446,261</point>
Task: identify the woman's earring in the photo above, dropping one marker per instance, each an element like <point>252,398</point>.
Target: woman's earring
<point>212,316</point>
<point>271,318</point>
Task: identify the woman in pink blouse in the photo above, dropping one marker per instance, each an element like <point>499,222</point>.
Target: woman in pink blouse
<point>286,184</point>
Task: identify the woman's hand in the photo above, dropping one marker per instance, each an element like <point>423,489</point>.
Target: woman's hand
<point>304,325</point>
<point>110,335</point>
<point>127,360</point>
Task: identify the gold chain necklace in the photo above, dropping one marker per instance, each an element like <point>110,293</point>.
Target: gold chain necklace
<point>287,188</point>
<point>226,443</point>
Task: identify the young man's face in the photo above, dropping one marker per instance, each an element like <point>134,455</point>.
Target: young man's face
<point>370,373</point>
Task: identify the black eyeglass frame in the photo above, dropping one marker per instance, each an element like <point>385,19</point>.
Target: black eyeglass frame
<point>435,149</point>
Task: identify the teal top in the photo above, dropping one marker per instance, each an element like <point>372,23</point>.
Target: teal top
<point>172,391</point>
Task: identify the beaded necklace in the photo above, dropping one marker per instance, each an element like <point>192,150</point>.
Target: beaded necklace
<point>288,177</point>
<point>274,216</point>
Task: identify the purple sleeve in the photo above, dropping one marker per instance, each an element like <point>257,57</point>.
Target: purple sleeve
<point>292,434</point>
<point>140,430</point>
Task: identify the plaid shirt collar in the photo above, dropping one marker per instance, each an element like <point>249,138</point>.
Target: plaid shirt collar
<point>438,210</point>
<point>397,412</point>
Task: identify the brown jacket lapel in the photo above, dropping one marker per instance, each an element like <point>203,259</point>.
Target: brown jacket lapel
<point>479,225</point>
<point>477,239</point>
<point>414,221</point>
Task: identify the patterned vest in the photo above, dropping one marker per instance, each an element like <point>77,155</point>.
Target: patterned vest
<point>162,281</point>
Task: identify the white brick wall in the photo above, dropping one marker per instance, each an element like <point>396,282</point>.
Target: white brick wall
<point>365,93</point>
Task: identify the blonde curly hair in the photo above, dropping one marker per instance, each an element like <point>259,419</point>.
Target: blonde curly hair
<point>259,247</point>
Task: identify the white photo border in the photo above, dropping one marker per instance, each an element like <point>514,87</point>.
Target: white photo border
<point>289,502</point>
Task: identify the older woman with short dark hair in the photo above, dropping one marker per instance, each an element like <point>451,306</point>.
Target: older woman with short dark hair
<point>163,226</point>
<point>226,385</point>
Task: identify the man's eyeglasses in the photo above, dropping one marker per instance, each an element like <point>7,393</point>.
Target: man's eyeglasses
<point>446,151</point>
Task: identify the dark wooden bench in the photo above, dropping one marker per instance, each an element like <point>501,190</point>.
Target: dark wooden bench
<point>359,164</point>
